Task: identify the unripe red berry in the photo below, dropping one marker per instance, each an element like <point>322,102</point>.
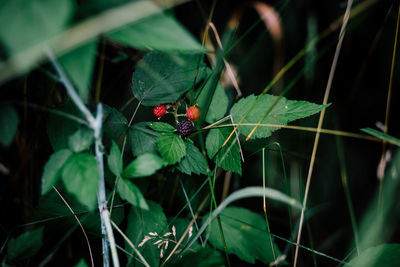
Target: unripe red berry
<point>159,111</point>
<point>193,113</point>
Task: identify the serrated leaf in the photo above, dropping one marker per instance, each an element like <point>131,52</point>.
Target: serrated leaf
<point>154,32</point>
<point>25,245</point>
<point>171,147</point>
<point>282,113</point>
<point>115,160</point>
<point>218,106</point>
<point>81,178</point>
<point>383,255</point>
<point>162,78</point>
<point>79,64</point>
<point>194,161</point>
<point>228,157</point>
<point>52,169</point>
<point>38,20</point>
<point>115,123</point>
<point>9,124</point>
<point>131,193</point>
<point>144,165</point>
<point>81,140</point>
<point>161,126</point>
<point>245,235</point>
<point>140,223</point>
<point>142,139</point>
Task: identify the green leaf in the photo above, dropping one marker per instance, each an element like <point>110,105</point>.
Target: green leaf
<point>81,263</point>
<point>144,165</point>
<point>383,136</point>
<point>79,64</point>
<point>81,140</point>
<point>245,235</point>
<point>140,223</point>
<point>171,147</point>
<point>282,113</point>
<point>115,160</point>
<point>9,124</point>
<point>129,192</point>
<point>142,139</point>
<point>81,178</point>
<point>383,255</point>
<point>115,123</point>
<point>59,128</point>
<point>228,157</point>
<point>161,126</point>
<point>194,161</point>
<point>218,106</point>
<point>52,169</point>
<point>206,257</point>
<point>25,245</point>
<point>154,32</point>
<point>162,78</point>
<point>25,23</point>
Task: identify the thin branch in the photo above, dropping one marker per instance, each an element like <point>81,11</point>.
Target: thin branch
<point>321,119</point>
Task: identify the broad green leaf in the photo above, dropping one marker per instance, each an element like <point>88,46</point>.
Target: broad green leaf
<point>115,160</point>
<point>154,32</point>
<point>282,113</point>
<point>52,169</point>
<point>60,128</point>
<point>79,64</point>
<point>245,235</point>
<point>218,106</point>
<point>171,147</point>
<point>81,263</point>
<point>25,245</point>
<point>25,23</point>
<point>161,126</point>
<point>81,140</point>
<point>129,192</point>
<point>228,157</point>
<point>162,78</point>
<point>9,124</point>
<point>194,161</point>
<point>383,136</point>
<point>205,257</point>
<point>115,123</point>
<point>383,255</point>
<point>144,165</point>
<point>140,223</point>
<point>81,178</point>
<point>142,139</point>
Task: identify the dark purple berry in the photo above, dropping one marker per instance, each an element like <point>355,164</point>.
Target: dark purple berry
<point>185,128</point>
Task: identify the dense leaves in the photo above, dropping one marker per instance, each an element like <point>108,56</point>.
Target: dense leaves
<point>144,165</point>
<point>383,255</point>
<point>193,162</point>
<point>129,192</point>
<point>162,78</point>
<point>269,109</point>
<point>142,139</point>
<point>115,160</point>
<point>81,140</point>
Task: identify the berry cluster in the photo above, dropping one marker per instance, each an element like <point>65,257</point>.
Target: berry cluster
<point>184,127</point>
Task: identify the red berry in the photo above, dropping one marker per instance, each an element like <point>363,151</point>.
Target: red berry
<point>193,113</point>
<point>159,111</point>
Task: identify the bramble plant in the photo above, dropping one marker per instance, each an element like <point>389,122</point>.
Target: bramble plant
<point>152,165</point>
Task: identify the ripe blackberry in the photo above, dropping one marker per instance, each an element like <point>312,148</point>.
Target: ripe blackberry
<point>185,128</point>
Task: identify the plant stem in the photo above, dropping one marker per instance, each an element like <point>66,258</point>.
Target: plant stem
<point>95,123</point>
